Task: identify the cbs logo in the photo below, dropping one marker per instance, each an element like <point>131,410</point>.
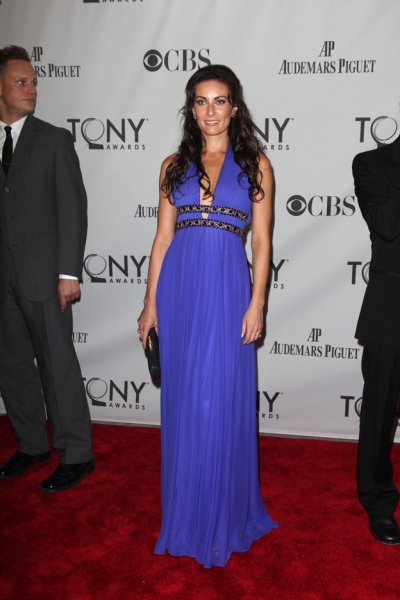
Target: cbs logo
<point>321,206</point>
<point>176,60</point>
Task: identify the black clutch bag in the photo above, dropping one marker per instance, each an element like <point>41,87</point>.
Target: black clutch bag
<point>153,354</point>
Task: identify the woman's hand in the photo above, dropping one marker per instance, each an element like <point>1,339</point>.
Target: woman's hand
<point>252,324</point>
<point>147,320</point>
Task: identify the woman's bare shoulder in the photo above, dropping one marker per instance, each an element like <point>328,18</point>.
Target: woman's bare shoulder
<point>167,161</point>
<point>264,163</point>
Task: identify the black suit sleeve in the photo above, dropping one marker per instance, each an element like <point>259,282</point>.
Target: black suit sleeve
<point>71,207</point>
<point>379,205</point>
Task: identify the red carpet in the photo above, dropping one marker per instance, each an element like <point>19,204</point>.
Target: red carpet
<point>96,540</point>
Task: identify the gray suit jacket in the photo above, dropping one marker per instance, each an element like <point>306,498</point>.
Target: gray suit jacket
<point>43,211</point>
<point>377,185</point>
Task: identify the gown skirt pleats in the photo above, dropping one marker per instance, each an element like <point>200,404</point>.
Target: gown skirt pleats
<point>211,501</point>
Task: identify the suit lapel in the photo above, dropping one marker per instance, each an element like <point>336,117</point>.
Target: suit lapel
<point>24,145</point>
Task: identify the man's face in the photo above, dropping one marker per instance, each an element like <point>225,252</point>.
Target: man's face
<point>17,91</point>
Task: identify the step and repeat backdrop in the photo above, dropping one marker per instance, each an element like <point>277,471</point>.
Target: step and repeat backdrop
<point>321,79</point>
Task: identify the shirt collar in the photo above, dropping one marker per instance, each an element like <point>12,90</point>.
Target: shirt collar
<point>16,127</point>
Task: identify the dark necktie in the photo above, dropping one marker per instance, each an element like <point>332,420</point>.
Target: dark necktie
<point>7,150</point>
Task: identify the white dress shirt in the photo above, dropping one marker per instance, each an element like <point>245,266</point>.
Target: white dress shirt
<point>15,133</point>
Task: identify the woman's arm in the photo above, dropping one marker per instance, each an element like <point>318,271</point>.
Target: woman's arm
<point>165,232</point>
<point>253,319</point>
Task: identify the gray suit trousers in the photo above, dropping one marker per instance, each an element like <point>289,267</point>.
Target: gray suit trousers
<point>30,330</point>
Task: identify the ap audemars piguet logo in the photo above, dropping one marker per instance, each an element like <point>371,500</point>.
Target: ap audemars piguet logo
<point>327,64</point>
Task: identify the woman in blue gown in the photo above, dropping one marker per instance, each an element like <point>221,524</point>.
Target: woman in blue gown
<point>198,297</point>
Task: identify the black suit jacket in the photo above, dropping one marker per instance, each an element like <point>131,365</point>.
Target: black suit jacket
<point>43,211</point>
<point>377,186</point>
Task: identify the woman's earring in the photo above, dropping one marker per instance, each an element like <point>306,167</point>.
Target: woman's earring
<point>233,115</point>
<point>194,117</point>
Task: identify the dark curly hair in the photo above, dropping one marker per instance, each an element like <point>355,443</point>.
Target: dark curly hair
<point>245,146</point>
<point>12,53</point>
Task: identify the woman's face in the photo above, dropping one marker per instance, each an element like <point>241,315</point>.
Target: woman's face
<point>212,109</point>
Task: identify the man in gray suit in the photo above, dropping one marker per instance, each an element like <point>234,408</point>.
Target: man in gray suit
<point>43,224</point>
<point>377,184</point>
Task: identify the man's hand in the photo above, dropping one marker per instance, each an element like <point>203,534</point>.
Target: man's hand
<point>68,290</point>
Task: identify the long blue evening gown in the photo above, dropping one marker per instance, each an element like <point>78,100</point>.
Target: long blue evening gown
<point>211,501</point>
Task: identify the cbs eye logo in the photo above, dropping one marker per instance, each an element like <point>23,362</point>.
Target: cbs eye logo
<point>153,60</point>
<point>296,205</point>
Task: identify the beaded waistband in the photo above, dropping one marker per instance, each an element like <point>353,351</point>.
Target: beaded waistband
<point>209,223</point>
<point>220,210</point>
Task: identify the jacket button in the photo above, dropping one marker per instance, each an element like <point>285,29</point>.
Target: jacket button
<point>7,189</point>
<point>9,219</point>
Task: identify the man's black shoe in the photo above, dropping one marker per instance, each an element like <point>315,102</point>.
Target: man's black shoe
<point>20,462</point>
<point>385,529</point>
<point>66,476</point>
